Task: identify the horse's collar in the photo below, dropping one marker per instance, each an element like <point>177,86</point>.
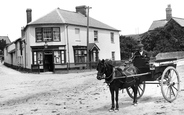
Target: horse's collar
<point>112,78</point>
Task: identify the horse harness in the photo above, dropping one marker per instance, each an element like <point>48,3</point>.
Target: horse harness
<point>123,75</point>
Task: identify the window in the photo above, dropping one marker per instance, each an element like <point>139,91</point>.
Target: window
<point>112,37</point>
<point>77,30</point>
<point>56,34</point>
<point>59,57</point>
<point>113,55</point>
<point>39,34</point>
<point>94,57</point>
<point>80,55</point>
<point>77,34</point>
<point>95,36</point>
<point>49,33</point>
<point>38,58</point>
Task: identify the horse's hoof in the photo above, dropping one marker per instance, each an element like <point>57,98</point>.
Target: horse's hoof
<point>111,110</point>
<point>116,110</point>
<point>135,103</point>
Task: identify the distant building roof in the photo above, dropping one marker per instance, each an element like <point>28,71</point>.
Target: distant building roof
<point>180,21</point>
<point>59,16</point>
<point>162,23</point>
<point>157,24</point>
<point>5,38</point>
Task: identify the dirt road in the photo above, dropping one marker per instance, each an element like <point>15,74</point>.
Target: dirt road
<point>76,94</point>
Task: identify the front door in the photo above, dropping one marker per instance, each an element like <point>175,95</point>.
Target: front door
<point>48,66</point>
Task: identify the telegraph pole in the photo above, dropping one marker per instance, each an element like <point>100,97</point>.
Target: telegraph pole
<point>88,36</point>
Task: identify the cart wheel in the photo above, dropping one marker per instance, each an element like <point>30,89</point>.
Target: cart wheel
<point>140,91</point>
<point>170,84</point>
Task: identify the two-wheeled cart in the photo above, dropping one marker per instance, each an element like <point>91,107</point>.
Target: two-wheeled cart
<point>164,71</point>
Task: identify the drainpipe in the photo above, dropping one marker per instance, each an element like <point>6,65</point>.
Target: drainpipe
<point>25,52</point>
<point>68,64</point>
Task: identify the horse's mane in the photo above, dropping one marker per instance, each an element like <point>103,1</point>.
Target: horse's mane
<point>109,62</point>
<point>128,70</point>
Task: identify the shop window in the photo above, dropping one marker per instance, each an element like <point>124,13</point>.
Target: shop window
<point>38,58</point>
<point>59,57</point>
<point>80,55</point>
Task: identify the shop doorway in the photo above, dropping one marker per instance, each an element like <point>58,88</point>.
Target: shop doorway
<point>48,66</point>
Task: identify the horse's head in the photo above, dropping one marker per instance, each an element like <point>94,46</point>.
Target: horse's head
<point>104,69</point>
<point>101,69</point>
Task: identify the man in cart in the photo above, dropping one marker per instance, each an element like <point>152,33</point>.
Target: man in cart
<point>140,59</point>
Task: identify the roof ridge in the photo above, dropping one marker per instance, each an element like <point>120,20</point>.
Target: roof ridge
<point>178,18</point>
<point>160,20</point>
<point>66,10</point>
<point>60,15</point>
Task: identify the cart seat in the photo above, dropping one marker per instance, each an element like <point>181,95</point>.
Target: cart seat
<point>141,63</point>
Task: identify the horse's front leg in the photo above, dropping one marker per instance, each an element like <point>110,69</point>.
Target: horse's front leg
<point>135,88</point>
<point>117,105</point>
<point>112,99</point>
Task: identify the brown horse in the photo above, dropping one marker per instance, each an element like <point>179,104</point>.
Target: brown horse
<point>107,71</point>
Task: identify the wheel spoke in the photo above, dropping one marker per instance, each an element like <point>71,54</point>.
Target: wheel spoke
<point>175,88</point>
<point>167,91</point>
<point>138,91</point>
<point>139,87</point>
<point>173,91</point>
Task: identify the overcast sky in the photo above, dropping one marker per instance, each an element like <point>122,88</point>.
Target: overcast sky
<point>129,16</point>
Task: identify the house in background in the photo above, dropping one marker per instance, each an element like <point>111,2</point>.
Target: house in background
<point>4,40</point>
<point>169,20</point>
<point>58,40</point>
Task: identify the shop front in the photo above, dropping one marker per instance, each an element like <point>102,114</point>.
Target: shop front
<point>48,59</point>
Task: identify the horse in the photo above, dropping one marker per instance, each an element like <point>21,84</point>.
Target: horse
<point>105,70</point>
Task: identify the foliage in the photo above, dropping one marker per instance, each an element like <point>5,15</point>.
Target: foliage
<point>167,39</point>
<point>2,45</point>
<point>127,45</point>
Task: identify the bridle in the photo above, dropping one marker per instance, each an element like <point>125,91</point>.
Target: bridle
<point>101,75</point>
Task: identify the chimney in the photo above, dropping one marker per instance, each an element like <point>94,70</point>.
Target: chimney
<point>168,12</point>
<point>29,15</point>
<point>81,9</point>
<point>22,32</point>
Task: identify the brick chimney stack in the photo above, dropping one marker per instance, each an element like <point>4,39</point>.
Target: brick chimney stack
<point>29,15</point>
<point>81,9</point>
<point>168,12</point>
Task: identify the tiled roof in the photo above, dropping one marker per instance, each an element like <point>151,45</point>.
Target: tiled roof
<point>180,21</point>
<point>158,23</point>
<point>59,16</point>
<point>93,45</point>
<point>5,38</point>
<point>162,23</point>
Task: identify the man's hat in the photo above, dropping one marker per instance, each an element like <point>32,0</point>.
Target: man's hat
<point>140,45</point>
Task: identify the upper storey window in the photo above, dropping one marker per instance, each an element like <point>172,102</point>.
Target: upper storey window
<point>49,33</point>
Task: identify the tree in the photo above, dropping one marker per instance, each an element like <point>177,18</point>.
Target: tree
<point>127,45</point>
<point>2,45</point>
<point>169,38</point>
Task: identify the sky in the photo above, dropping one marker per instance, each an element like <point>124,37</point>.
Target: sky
<point>128,16</point>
